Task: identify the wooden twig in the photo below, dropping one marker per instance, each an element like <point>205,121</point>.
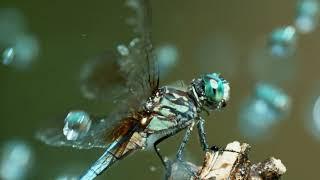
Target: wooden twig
<point>231,163</point>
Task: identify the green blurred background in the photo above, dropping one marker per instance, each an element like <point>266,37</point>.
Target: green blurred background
<point>72,31</point>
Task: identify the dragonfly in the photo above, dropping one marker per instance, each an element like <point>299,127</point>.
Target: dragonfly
<point>147,113</point>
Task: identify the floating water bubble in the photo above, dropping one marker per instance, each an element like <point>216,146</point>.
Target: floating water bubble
<point>262,111</point>
<point>17,47</point>
<point>77,124</point>
<point>282,41</point>
<point>134,42</point>
<point>67,177</point>
<point>152,168</point>
<point>8,56</point>
<point>70,170</point>
<point>21,54</point>
<point>312,121</point>
<point>16,160</point>
<point>273,96</point>
<point>316,118</point>
<point>123,50</point>
<point>307,15</point>
<point>167,57</point>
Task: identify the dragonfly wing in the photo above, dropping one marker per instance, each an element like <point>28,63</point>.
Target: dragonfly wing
<point>96,137</point>
<point>140,65</point>
<point>101,78</point>
<point>129,75</point>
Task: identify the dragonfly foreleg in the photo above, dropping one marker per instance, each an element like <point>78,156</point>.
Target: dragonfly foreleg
<point>156,149</point>
<point>180,153</point>
<point>202,135</point>
<point>184,141</point>
<point>157,142</point>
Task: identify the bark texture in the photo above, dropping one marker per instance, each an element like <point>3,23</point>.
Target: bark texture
<point>230,164</point>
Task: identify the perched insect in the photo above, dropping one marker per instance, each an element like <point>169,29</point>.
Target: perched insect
<point>148,115</point>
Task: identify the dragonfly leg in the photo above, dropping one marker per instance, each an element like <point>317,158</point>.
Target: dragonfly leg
<point>202,135</point>
<point>180,153</point>
<point>157,142</point>
<point>185,140</point>
<point>158,151</point>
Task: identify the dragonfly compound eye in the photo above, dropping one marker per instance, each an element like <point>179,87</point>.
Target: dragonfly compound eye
<point>216,89</point>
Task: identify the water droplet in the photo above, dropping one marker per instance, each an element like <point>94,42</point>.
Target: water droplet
<point>167,57</point>
<point>263,110</point>
<point>307,15</point>
<point>316,118</point>
<point>123,50</point>
<point>19,48</point>
<point>312,122</point>
<point>24,50</point>
<point>282,41</point>
<point>84,36</point>
<point>134,42</point>
<point>8,56</point>
<point>77,124</point>
<point>273,96</point>
<point>70,171</point>
<point>153,168</point>
<point>67,177</point>
<point>16,160</point>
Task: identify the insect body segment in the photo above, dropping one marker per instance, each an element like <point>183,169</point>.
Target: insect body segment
<point>172,108</point>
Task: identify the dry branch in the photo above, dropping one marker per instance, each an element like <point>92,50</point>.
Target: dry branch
<point>227,165</point>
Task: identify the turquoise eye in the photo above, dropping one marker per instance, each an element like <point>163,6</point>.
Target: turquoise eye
<point>214,87</point>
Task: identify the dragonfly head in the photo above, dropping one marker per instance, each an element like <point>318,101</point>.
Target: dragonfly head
<point>211,91</point>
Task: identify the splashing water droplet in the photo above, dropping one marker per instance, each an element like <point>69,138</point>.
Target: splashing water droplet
<point>22,53</point>
<point>262,111</point>
<point>167,57</point>
<point>16,160</point>
<point>282,41</point>
<point>67,177</point>
<point>123,50</point>
<point>307,15</point>
<point>77,124</point>
<point>153,168</point>
<point>313,118</point>
<point>8,56</point>
<point>273,96</point>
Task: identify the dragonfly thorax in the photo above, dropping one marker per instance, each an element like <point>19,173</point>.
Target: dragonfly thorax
<point>169,108</point>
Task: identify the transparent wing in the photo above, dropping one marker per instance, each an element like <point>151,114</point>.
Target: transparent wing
<point>131,74</point>
<point>96,137</point>
<point>181,85</point>
<point>140,69</point>
<point>127,77</point>
<point>101,78</point>
<point>141,65</point>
